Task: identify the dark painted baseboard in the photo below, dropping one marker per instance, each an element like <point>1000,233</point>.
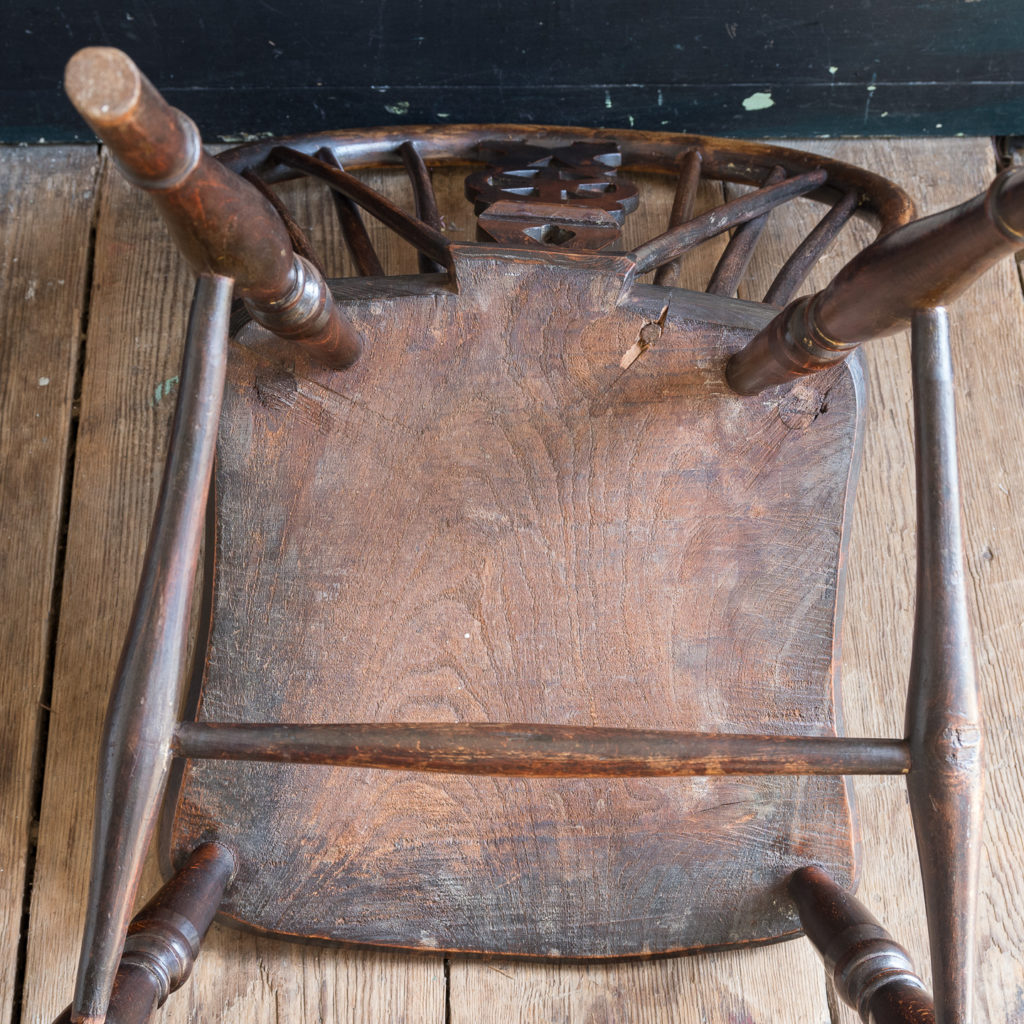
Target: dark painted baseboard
<point>795,68</point>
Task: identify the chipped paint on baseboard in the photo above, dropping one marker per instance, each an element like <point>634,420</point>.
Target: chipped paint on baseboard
<point>758,101</point>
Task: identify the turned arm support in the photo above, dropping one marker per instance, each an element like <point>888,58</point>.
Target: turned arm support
<point>221,223</point>
<point>923,264</point>
<point>871,972</point>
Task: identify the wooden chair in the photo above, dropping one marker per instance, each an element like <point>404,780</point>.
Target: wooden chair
<point>551,543</point>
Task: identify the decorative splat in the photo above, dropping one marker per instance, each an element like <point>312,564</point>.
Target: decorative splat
<point>567,196</point>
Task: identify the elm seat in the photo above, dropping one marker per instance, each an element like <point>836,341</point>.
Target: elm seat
<point>485,525</point>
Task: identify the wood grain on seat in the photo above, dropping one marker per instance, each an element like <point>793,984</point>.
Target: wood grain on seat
<point>488,519</point>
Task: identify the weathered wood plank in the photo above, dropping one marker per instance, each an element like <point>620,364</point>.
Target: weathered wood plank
<point>46,211</point>
<point>137,322</point>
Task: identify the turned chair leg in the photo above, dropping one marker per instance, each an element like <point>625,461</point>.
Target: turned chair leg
<point>164,937</point>
<point>222,224</point>
<point>871,972</point>
<point>943,719</point>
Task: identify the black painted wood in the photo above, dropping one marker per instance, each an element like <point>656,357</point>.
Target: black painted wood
<point>865,67</point>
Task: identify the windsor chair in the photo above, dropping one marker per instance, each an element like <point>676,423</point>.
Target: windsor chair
<point>551,542</point>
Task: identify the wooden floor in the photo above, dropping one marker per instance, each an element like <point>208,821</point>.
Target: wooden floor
<point>92,305</point>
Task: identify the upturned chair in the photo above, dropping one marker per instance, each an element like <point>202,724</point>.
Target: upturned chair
<point>550,542</point>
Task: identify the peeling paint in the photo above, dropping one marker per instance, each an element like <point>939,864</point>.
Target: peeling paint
<point>246,136</point>
<point>758,101</point>
<point>871,87</point>
<point>163,390</point>
<point>402,107</point>
<point>832,69</point>
<point>607,100</point>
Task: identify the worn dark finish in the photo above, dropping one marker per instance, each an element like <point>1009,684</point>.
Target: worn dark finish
<point>163,938</point>
<point>799,265</point>
<point>734,261</point>
<point>870,971</point>
<point>820,67</point>
<point>427,239</point>
<point>300,243</point>
<point>221,224</point>
<point>541,751</point>
<point>674,242</point>
<point>425,200</point>
<point>351,223</point>
<point>145,701</point>
<point>943,719</point>
<point>682,210</point>
<point>927,263</point>
<point>733,160</point>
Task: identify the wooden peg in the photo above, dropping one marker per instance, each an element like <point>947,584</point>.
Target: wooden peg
<point>221,223</point>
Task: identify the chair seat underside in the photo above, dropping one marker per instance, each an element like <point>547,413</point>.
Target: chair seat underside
<point>489,518</point>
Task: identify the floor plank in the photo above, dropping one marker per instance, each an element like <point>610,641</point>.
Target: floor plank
<point>46,209</point>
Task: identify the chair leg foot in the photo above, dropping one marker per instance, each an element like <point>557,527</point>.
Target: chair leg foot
<point>946,808</point>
